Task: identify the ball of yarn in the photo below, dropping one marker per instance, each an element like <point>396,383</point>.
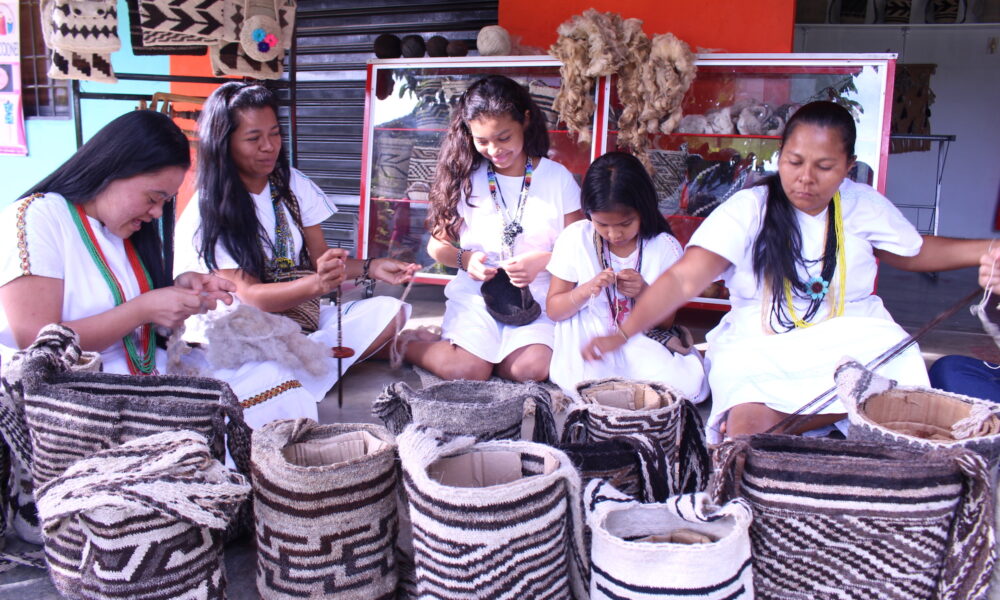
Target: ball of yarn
<point>413,46</point>
<point>493,40</point>
<point>387,46</point>
<point>437,46</point>
<point>457,48</point>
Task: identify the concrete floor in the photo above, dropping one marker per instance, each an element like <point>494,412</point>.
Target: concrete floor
<point>913,299</point>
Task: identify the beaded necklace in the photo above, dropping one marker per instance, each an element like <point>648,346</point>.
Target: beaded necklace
<point>817,287</point>
<point>139,362</point>
<point>281,259</point>
<point>611,291</point>
<point>512,225</point>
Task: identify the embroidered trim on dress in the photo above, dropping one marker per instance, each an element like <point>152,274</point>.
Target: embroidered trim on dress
<point>270,393</point>
<point>22,234</point>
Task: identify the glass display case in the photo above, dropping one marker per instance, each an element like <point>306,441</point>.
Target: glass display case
<point>734,114</point>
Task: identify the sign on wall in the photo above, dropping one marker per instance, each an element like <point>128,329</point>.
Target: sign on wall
<point>12,139</point>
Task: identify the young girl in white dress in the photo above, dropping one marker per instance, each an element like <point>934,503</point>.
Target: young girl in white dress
<point>599,267</point>
<point>496,203</point>
<point>798,254</point>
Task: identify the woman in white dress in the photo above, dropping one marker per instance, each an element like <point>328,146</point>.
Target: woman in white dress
<point>496,204</point>
<point>798,254</point>
<point>83,248</point>
<point>254,218</point>
<point>599,267</point>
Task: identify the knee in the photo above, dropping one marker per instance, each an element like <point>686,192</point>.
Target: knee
<point>529,370</point>
<point>470,369</point>
<point>748,419</point>
<point>945,370</point>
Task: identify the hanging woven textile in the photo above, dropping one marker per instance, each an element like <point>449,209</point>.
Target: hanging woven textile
<point>686,547</point>
<point>151,515</point>
<point>325,510</point>
<point>852,519</point>
<point>488,410</point>
<point>498,519</point>
<point>614,406</point>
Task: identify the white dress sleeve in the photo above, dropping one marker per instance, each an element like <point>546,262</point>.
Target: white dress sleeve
<point>566,254</point>
<point>314,206</point>
<point>876,219</point>
<point>570,193</point>
<point>732,226</point>
<point>31,237</point>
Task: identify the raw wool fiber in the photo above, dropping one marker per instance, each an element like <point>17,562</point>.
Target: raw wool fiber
<point>325,510</point>
<point>497,519</point>
<point>152,513</point>
<point>634,464</point>
<point>687,547</point>
<point>850,519</point>
<point>487,410</point>
<point>614,406</point>
<point>247,334</point>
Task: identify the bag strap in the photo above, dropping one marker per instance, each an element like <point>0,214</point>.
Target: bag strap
<point>694,461</point>
<point>545,423</point>
<point>575,427</point>
<point>652,460</point>
<point>393,407</point>
<point>969,564</point>
<point>731,457</point>
<point>238,433</point>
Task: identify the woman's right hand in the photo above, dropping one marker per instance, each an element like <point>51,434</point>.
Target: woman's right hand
<point>330,270</point>
<point>170,306</point>
<point>477,268</point>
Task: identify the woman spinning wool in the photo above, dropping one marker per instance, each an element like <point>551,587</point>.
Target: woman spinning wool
<point>255,222</point>
<point>83,247</point>
<point>798,253</point>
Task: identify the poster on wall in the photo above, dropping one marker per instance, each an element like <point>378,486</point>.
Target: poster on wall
<point>12,140</point>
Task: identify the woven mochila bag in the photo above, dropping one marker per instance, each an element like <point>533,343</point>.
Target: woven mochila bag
<point>488,410</point>
<point>153,514</point>
<point>852,519</point>
<point>634,464</point>
<point>676,550</point>
<point>614,406</point>
<point>325,510</point>
<point>499,519</point>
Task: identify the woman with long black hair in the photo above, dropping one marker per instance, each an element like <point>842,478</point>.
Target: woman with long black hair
<point>798,254</point>
<point>90,246</point>
<point>255,222</point>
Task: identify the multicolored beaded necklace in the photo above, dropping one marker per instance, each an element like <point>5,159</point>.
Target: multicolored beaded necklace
<point>611,291</point>
<point>140,362</point>
<point>512,225</point>
<point>282,257</point>
<point>817,287</point>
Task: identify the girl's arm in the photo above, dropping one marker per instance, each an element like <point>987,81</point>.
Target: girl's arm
<point>938,254</point>
<point>446,253</point>
<point>677,285</point>
<point>32,302</point>
<point>566,298</point>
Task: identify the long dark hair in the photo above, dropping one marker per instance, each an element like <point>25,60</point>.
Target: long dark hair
<point>227,210</point>
<point>137,143</point>
<point>618,180</point>
<point>777,251</point>
<point>491,96</point>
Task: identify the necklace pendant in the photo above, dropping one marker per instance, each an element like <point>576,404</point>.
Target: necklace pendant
<point>510,233</point>
<point>817,287</point>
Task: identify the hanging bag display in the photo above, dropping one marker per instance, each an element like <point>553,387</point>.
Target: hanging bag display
<point>152,515</point>
<point>325,510</point>
<point>686,547</point>
<point>496,519</point>
<point>614,406</point>
<point>488,410</point>
<point>844,518</point>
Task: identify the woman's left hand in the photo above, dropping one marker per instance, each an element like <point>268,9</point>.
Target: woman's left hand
<point>213,289</point>
<point>597,347</point>
<point>989,270</point>
<point>630,283</point>
<point>393,271</point>
<point>523,268</point>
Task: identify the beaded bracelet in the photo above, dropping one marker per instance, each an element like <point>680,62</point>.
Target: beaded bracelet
<point>461,252</point>
<point>365,279</point>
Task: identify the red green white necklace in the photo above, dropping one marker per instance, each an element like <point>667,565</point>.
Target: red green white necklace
<point>139,362</point>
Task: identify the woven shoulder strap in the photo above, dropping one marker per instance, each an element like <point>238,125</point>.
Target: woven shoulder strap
<point>393,407</point>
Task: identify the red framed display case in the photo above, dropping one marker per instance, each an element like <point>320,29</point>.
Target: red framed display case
<point>734,116</point>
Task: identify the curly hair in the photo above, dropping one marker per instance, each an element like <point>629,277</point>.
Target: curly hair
<point>492,97</point>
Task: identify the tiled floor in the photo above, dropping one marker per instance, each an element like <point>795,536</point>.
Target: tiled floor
<point>913,299</point>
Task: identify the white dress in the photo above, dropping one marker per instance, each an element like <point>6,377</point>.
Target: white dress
<point>362,320</point>
<point>787,370</point>
<point>44,232</point>
<point>553,194</point>
<point>574,259</point>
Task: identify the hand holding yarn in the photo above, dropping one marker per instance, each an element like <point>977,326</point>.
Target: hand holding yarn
<point>478,269</point>
<point>212,289</point>
<point>170,306</point>
<point>597,347</point>
<point>524,268</point>
<point>593,287</point>
<point>989,269</point>
<point>330,270</point>
<point>393,271</point>
<point>630,283</point>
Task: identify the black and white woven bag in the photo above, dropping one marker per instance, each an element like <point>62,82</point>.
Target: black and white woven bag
<point>680,549</point>
<point>325,510</point>
<point>498,519</point>
<point>488,410</point>
<point>634,464</point>
<point>151,514</point>
<point>613,407</point>
<point>851,519</point>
